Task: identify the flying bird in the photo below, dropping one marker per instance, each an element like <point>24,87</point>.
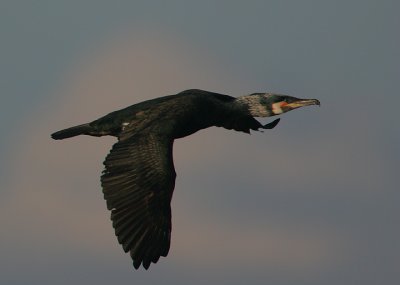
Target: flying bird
<point>139,175</point>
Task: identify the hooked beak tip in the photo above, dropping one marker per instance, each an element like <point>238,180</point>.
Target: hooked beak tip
<point>310,102</point>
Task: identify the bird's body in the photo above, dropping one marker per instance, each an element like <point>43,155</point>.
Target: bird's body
<point>176,116</point>
<point>139,176</point>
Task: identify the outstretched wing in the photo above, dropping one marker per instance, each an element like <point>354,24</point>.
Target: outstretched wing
<point>138,182</point>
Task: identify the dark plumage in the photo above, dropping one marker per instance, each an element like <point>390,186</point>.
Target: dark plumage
<point>139,175</point>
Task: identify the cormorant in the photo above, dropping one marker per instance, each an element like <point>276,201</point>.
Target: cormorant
<point>139,175</point>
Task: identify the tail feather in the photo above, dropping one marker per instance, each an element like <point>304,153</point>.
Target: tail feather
<point>72,132</point>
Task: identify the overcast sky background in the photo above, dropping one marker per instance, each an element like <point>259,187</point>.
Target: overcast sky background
<point>313,201</point>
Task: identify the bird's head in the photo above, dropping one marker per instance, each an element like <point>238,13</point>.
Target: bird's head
<point>269,104</point>
<point>278,104</point>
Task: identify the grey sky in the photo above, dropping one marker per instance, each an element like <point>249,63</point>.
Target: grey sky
<point>313,201</point>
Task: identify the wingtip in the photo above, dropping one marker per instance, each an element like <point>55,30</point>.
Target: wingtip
<point>136,264</point>
<point>272,124</point>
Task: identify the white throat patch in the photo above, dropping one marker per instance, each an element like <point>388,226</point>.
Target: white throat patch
<point>276,108</point>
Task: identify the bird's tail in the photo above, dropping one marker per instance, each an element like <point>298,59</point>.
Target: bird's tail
<point>72,132</point>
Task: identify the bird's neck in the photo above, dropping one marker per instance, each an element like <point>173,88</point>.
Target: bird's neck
<point>253,104</point>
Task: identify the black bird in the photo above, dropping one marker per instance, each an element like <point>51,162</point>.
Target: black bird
<point>139,175</point>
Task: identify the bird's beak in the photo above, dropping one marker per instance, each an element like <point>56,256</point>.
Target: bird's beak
<point>303,102</point>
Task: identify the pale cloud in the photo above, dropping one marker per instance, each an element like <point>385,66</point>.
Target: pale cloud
<point>205,240</point>
<point>131,69</point>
